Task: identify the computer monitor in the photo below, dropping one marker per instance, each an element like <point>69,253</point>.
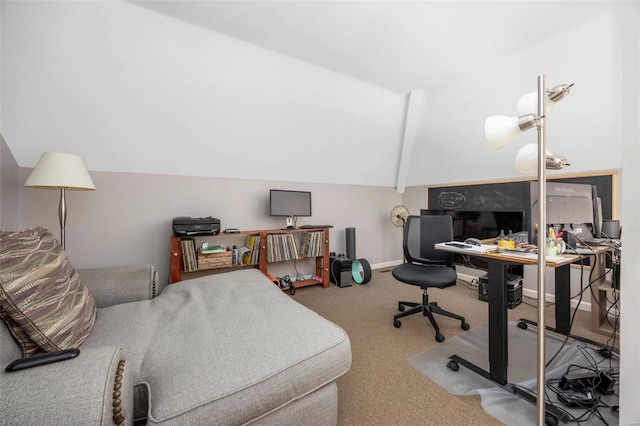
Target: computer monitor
<point>569,206</point>
<point>291,204</point>
<point>611,229</point>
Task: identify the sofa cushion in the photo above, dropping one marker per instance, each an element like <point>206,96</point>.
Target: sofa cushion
<point>228,348</point>
<point>41,295</point>
<point>27,346</point>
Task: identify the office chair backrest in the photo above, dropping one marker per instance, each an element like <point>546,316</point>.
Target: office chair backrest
<point>420,235</point>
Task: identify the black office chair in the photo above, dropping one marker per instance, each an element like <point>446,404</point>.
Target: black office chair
<point>427,267</point>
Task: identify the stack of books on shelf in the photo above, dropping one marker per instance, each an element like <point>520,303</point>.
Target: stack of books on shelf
<point>281,247</point>
<point>189,255</point>
<point>252,256</point>
<point>312,244</point>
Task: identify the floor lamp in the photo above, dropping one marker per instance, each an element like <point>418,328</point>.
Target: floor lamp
<point>533,158</point>
<point>57,170</point>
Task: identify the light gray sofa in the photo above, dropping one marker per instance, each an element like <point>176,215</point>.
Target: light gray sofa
<point>226,349</point>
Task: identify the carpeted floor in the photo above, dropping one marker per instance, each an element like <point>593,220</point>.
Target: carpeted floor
<point>381,388</point>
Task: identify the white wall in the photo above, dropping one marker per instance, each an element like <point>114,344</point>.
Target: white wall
<point>127,219</point>
<point>630,267</point>
<point>141,92</point>
<point>585,127</point>
<point>414,198</point>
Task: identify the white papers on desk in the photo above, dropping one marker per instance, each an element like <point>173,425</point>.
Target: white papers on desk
<point>459,247</point>
<point>533,256</point>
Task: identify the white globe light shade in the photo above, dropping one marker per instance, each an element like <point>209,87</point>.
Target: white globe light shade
<point>527,159</point>
<point>499,130</point>
<point>528,104</point>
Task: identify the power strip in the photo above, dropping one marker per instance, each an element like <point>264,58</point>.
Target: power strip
<point>579,380</point>
<point>601,381</point>
<point>578,399</point>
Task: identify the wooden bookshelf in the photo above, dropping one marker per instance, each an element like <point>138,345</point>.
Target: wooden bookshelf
<point>177,268</point>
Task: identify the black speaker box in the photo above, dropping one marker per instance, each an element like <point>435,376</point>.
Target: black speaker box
<point>570,238</point>
<point>340,271</point>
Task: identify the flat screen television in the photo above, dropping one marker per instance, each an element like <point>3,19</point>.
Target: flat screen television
<point>291,204</point>
<point>482,224</point>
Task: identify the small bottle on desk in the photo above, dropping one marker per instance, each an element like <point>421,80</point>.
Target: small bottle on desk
<point>502,241</point>
<point>511,242</point>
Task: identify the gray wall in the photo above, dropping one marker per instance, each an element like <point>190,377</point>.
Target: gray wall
<point>9,188</point>
<point>127,219</point>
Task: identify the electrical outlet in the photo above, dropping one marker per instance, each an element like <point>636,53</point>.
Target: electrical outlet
<point>468,278</point>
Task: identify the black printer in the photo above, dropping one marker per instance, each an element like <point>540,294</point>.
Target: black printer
<point>186,226</point>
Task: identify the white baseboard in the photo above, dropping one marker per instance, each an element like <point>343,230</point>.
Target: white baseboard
<point>386,264</point>
<point>471,279</point>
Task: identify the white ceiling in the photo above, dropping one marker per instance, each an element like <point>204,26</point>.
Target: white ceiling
<point>278,78</point>
<point>398,45</point>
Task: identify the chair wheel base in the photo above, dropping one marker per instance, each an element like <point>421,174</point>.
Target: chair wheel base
<point>397,323</point>
<point>464,326</point>
<point>439,337</point>
<point>453,366</point>
<point>522,325</point>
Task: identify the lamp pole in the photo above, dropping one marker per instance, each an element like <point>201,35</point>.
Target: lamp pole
<point>62,215</point>
<point>542,225</point>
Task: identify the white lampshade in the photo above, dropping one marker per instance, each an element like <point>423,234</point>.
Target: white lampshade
<point>527,160</point>
<point>500,130</point>
<point>59,170</point>
<point>528,104</point>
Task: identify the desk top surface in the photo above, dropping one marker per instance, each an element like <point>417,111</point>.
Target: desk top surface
<point>530,258</point>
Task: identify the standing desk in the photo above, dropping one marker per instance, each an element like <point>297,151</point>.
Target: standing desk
<point>498,264</point>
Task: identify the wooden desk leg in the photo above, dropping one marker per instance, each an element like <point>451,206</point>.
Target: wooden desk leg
<point>598,298</point>
<point>563,299</point>
<point>498,337</point>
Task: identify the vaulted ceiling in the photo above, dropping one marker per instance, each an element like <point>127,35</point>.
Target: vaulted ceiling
<point>169,86</point>
<point>398,45</point>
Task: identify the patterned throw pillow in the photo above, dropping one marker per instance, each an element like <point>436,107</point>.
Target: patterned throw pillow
<point>41,296</point>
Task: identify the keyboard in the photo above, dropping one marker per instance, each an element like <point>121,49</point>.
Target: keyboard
<point>580,250</point>
<point>595,241</point>
<point>315,226</point>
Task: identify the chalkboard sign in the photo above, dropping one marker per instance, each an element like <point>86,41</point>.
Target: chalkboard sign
<point>510,196</point>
